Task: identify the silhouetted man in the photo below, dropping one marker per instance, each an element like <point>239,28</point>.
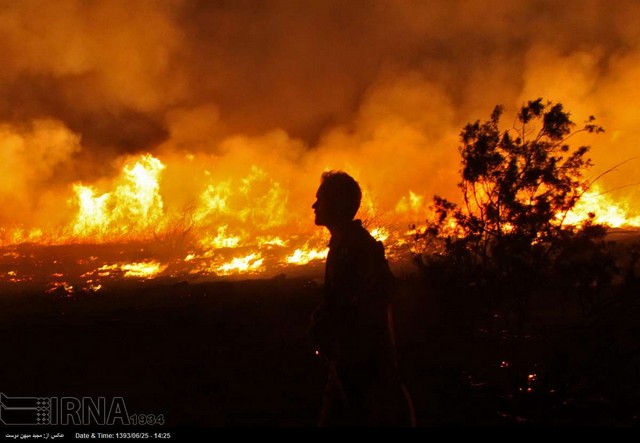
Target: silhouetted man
<point>351,326</point>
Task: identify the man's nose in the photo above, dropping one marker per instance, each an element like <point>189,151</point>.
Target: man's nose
<point>313,206</point>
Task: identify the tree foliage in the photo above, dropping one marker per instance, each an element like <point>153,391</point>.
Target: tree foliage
<point>517,186</point>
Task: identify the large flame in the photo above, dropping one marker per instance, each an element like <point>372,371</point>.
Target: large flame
<point>601,208</point>
<point>133,207</point>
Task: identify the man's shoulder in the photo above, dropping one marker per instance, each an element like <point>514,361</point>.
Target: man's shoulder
<point>373,256</point>
<point>359,232</point>
<point>363,240</point>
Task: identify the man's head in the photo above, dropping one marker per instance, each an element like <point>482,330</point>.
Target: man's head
<point>337,200</point>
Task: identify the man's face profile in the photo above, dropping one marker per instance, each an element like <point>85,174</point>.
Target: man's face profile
<point>322,208</point>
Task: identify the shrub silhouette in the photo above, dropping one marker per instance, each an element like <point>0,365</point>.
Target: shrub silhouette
<point>509,238</point>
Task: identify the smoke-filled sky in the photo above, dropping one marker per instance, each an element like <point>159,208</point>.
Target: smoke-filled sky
<point>379,87</point>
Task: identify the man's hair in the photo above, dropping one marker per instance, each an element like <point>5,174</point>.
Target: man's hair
<point>343,192</point>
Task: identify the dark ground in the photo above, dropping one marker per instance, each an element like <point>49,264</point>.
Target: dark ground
<point>234,353</point>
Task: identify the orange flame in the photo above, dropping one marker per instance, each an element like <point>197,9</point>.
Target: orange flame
<point>132,208</point>
<point>247,212</point>
<point>302,256</point>
<point>249,263</point>
<point>602,209</point>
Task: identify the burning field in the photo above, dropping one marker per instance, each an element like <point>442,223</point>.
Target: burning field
<point>202,139</point>
<point>243,229</point>
<point>235,227</point>
<point>154,154</point>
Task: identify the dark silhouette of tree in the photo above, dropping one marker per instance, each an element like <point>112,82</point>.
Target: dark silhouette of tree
<point>509,235</point>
